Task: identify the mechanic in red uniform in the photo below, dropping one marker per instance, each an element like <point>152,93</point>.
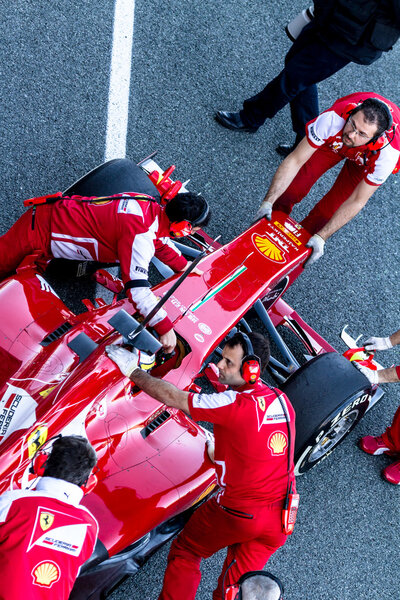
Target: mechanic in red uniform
<point>251,460</point>
<point>45,536</point>
<point>389,441</point>
<point>129,231</point>
<point>362,128</point>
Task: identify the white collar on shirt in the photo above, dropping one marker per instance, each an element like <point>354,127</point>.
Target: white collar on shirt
<point>60,489</point>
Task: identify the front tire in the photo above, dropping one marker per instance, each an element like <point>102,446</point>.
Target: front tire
<point>329,396</point>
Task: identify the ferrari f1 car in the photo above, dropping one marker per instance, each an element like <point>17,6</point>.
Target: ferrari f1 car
<point>153,469</point>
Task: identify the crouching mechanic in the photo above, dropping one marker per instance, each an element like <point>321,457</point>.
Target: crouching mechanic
<point>361,128</point>
<point>389,441</point>
<point>126,228</point>
<point>251,428</point>
<point>45,536</point>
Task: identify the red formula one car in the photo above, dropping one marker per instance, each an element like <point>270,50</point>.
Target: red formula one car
<point>153,469</point>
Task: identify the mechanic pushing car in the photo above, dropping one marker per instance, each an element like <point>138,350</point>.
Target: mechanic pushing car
<point>45,536</point>
<point>389,441</point>
<point>126,228</point>
<point>361,128</point>
<point>254,444</point>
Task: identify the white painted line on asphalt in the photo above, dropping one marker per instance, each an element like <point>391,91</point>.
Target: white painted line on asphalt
<point>118,94</point>
<point>120,76</point>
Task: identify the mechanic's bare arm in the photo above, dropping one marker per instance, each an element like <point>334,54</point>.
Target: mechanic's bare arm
<point>388,375</point>
<point>395,338</point>
<point>288,169</point>
<point>163,391</point>
<point>349,209</point>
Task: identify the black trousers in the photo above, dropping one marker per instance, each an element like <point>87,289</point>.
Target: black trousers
<point>307,62</point>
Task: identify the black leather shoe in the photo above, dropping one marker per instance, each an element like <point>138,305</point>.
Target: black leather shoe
<point>232,120</point>
<point>285,149</point>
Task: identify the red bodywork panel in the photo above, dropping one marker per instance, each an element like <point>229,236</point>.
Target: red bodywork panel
<point>44,390</point>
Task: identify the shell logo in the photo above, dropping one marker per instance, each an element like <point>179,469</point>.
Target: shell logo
<point>46,573</point>
<point>268,248</point>
<point>277,443</point>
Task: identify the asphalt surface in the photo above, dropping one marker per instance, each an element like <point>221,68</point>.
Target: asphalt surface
<point>190,58</point>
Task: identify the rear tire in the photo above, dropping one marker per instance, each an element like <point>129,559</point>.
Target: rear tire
<point>329,396</point>
<point>114,177</point>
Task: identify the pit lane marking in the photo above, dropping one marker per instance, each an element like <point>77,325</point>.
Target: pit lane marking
<point>120,75</point>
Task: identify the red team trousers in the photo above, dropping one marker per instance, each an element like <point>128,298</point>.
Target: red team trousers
<point>23,239</point>
<point>250,543</point>
<point>391,436</point>
<point>321,161</point>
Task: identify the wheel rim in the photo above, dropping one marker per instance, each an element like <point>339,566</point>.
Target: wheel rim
<point>333,436</point>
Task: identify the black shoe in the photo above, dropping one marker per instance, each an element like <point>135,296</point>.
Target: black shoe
<point>232,120</point>
<point>285,149</point>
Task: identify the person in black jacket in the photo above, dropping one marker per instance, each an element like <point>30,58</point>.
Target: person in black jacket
<point>341,32</point>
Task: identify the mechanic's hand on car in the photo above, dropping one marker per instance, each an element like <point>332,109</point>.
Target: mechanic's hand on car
<point>126,361</point>
<point>168,341</point>
<point>129,361</point>
<point>265,210</point>
<point>196,271</point>
<point>211,450</point>
<point>372,376</point>
<point>378,343</point>
<point>317,243</point>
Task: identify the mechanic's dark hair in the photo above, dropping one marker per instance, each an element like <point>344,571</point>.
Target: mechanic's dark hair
<point>71,458</point>
<point>188,207</point>
<point>375,112</point>
<point>260,345</point>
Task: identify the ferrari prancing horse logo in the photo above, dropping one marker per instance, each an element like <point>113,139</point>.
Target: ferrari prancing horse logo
<point>268,248</point>
<point>46,520</point>
<point>261,403</point>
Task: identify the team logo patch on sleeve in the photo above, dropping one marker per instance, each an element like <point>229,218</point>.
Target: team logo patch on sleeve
<point>277,443</point>
<point>46,573</point>
<point>272,415</point>
<point>59,531</point>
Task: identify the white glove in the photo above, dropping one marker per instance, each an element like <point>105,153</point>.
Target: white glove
<point>126,361</point>
<point>372,376</point>
<point>265,210</point>
<point>377,343</point>
<point>317,243</point>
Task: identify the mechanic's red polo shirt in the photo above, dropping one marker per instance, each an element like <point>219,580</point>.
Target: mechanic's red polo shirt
<point>325,131</point>
<point>129,231</point>
<point>45,537</point>
<point>251,443</point>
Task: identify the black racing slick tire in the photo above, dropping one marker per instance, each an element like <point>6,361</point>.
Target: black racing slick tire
<point>329,396</point>
<point>114,177</point>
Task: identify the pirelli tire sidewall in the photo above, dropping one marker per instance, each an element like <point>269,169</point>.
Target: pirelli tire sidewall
<point>354,408</point>
<point>329,396</point>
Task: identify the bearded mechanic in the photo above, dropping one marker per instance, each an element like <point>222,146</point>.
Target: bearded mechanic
<point>252,436</point>
<point>130,230</point>
<point>360,128</point>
